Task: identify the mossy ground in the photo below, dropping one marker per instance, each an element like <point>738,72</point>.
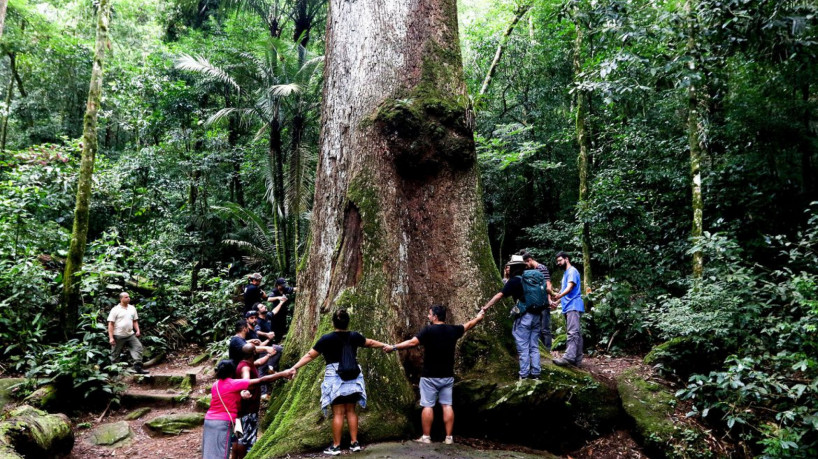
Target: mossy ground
<point>651,407</point>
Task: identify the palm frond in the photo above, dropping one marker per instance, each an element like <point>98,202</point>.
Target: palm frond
<point>201,65</point>
<point>284,90</point>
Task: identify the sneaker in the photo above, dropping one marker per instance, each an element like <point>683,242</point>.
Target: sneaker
<point>355,447</point>
<point>333,450</point>
<point>534,377</point>
<point>563,362</point>
<point>140,371</point>
<point>424,439</point>
<point>449,440</point>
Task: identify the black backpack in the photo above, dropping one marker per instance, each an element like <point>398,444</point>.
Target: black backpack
<point>348,368</point>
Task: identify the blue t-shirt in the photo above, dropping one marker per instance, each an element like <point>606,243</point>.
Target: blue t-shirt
<point>572,301</point>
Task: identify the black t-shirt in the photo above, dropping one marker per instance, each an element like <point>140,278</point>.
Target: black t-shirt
<point>514,288</point>
<point>264,325</point>
<point>278,322</point>
<point>252,295</point>
<point>234,349</point>
<point>438,342</point>
<point>331,345</point>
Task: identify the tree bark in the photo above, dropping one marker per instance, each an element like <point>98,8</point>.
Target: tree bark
<point>71,282</point>
<point>695,125</point>
<point>584,151</point>
<point>518,14</point>
<point>3,7</point>
<point>398,221</point>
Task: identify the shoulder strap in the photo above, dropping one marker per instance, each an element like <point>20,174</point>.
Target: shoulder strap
<point>221,400</point>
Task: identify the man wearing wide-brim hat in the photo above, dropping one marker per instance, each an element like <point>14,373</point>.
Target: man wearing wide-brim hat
<point>526,330</point>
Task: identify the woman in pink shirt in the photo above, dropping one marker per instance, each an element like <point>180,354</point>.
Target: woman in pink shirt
<point>226,395</point>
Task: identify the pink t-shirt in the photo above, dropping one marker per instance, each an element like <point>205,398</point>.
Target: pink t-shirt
<point>230,390</point>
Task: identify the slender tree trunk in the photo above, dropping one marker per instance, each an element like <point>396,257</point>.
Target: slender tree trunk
<point>807,168</point>
<point>3,7</point>
<point>518,14</point>
<point>398,222</point>
<point>5,127</point>
<point>584,142</point>
<point>71,281</point>
<point>296,169</point>
<point>695,127</point>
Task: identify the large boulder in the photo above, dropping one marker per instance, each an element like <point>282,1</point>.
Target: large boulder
<point>174,424</point>
<point>558,413</point>
<point>28,432</point>
<point>651,408</point>
<point>113,434</point>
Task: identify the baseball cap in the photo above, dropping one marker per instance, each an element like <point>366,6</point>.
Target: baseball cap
<point>251,313</point>
<point>281,281</point>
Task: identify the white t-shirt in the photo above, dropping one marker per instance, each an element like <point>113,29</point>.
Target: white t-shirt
<point>123,319</point>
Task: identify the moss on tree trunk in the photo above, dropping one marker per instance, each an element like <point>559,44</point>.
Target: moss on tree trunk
<point>397,223</point>
<point>69,310</point>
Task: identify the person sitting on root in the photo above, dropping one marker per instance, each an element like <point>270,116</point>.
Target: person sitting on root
<point>340,393</point>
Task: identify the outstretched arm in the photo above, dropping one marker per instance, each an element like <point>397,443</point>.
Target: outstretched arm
<point>269,378</point>
<point>306,359</point>
<point>470,324</point>
<point>402,345</point>
<point>374,343</point>
<point>494,299</point>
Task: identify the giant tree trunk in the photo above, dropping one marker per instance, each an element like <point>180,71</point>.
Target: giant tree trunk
<point>71,282</point>
<point>397,223</point>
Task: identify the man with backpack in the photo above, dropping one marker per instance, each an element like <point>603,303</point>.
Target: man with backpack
<point>437,379</point>
<point>527,287</point>
<point>545,323</point>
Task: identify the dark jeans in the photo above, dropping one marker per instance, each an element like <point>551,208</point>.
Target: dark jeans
<point>545,330</point>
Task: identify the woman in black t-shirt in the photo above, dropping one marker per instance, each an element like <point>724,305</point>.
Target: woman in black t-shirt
<point>341,395</point>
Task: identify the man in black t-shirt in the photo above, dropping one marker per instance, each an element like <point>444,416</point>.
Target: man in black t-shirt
<point>252,292</point>
<point>439,341</point>
<point>545,321</point>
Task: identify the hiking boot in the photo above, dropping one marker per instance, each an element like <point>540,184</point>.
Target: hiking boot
<point>534,377</point>
<point>449,440</point>
<point>140,371</point>
<point>424,439</point>
<point>333,450</point>
<point>564,363</point>
<point>355,447</point>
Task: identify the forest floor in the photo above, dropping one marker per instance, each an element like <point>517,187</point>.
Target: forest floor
<point>142,444</point>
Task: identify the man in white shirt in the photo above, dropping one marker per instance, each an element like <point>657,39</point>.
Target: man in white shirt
<point>123,330</point>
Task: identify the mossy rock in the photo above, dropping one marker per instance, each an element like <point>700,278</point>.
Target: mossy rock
<point>651,406</point>
<point>558,413</point>
<point>201,358</point>
<point>30,432</point>
<point>174,424</point>
<point>138,413</point>
<point>114,434</point>
<point>683,356</point>
<point>6,388</point>
<point>45,398</point>
<point>203,403</point>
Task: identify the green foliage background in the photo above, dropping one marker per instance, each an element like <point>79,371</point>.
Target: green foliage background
<point>206,171</point>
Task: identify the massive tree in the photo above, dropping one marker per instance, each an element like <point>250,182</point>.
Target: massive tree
<point>397,222</point>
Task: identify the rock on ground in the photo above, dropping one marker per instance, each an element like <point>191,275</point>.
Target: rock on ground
<point>174,424</point>
<point>29,432</point>
<point>113,434</point>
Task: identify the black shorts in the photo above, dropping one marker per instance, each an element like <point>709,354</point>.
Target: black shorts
<point>344,399</point>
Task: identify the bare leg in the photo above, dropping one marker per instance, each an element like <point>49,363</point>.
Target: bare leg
<point>448,419</point>
<point>426,418</point>
<point>337,423</point>
<point>352,421</point>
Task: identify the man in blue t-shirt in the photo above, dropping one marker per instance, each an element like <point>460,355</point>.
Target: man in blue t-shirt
<point>526,328</point>
<point>572,307</point>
